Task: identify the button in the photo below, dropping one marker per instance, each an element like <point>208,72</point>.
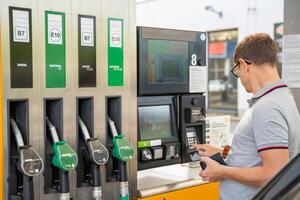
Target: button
<point>194,101</point>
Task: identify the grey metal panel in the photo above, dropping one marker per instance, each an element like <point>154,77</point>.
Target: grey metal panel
<point>133,96</point>
<point>116,9</point>
<point>102,10</point>
<point>93,8</point>
<point>19,93</point>
<point>292,26</point>
<point>64,93</point>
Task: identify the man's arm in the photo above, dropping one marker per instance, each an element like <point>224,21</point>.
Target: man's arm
<point>272,161</point>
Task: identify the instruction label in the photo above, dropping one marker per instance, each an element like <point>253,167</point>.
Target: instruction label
<point>218,130</point>
<point>198,79</point>
<point>291,60</point>
<point>115,52</point>
<point>55,50</point>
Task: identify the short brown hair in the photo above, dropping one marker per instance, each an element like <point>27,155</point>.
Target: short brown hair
<point>258,48</point>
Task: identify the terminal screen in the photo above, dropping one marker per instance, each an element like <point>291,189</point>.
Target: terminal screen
<point>154,122</point>
<point>167,61</point>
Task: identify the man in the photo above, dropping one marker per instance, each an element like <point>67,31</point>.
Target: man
<point>268,133</point>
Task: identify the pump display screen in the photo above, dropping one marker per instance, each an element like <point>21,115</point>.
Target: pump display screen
<point>167,61</point>
<point>154,122</point>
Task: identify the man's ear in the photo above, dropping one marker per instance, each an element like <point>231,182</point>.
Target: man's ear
<point>244,65</point>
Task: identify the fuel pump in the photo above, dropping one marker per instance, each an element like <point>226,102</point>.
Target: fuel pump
<point>64,158</point>
<point>29,164</point>
<point>98,155</point>
<point>123,151</point>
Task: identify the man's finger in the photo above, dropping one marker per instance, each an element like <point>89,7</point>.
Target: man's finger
<point>205,159</point>
<point>203,153</point>
<point>199,146</point>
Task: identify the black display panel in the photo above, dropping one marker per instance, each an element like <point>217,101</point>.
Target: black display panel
<point>158,142</point>
<point>167,62</point>
<point>164,59</point>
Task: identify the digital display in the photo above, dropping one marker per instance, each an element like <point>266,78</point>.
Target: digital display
<point>167,61</point>
<point>154,122</point>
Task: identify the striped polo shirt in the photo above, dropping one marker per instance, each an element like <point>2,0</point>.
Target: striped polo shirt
<point>271,122</point>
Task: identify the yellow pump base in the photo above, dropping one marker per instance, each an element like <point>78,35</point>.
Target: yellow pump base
<point>209,191</point>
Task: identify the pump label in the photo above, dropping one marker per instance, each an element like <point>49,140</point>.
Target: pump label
<point>115,34</point>
<point>55,29</point>
<point>21,26</point>
<point>21,73</point>
<point>55,50</point>
<point>87,51</point>
<point>115,52</point>
<point>87,31</point>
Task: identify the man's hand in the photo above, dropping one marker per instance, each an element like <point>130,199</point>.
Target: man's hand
<point>272,161</point>
<point>208,149</point>
<point>213,171</point>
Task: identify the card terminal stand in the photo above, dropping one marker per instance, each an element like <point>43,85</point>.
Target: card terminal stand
<point>191,125</point>
<point>25,162</point>
<point>60,157</point>
<point>158,142</point>
<point>92,153</point>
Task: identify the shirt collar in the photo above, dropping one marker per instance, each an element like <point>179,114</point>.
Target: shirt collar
<point>264,90</point>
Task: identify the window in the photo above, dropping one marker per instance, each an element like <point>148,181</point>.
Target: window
<point>222,85</point>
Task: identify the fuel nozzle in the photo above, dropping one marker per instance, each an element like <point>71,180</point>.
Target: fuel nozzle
<point>98,152</point>
<point>64,157</point>
<point>123,149</point>
<point>112,126</point>
<point>53,131</point>
<point>31,163</point>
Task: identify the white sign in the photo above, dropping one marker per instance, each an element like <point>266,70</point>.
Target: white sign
<point>21,26</point>
<point>198,79</point>
<point>55,34</point>
<point>87,31</point>
<point>218,130</point>
<point>115,37</point>
<point>291,60</point>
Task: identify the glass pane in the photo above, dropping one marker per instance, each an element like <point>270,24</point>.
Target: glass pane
<point>222,85</point>
<point>155,122</point>
<point>167,61</point>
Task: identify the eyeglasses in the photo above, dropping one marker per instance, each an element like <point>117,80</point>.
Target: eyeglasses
<point>234,69</point>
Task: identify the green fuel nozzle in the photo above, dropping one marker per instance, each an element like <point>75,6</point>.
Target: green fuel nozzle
<point>123,149</point>
<point>65,158</point>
